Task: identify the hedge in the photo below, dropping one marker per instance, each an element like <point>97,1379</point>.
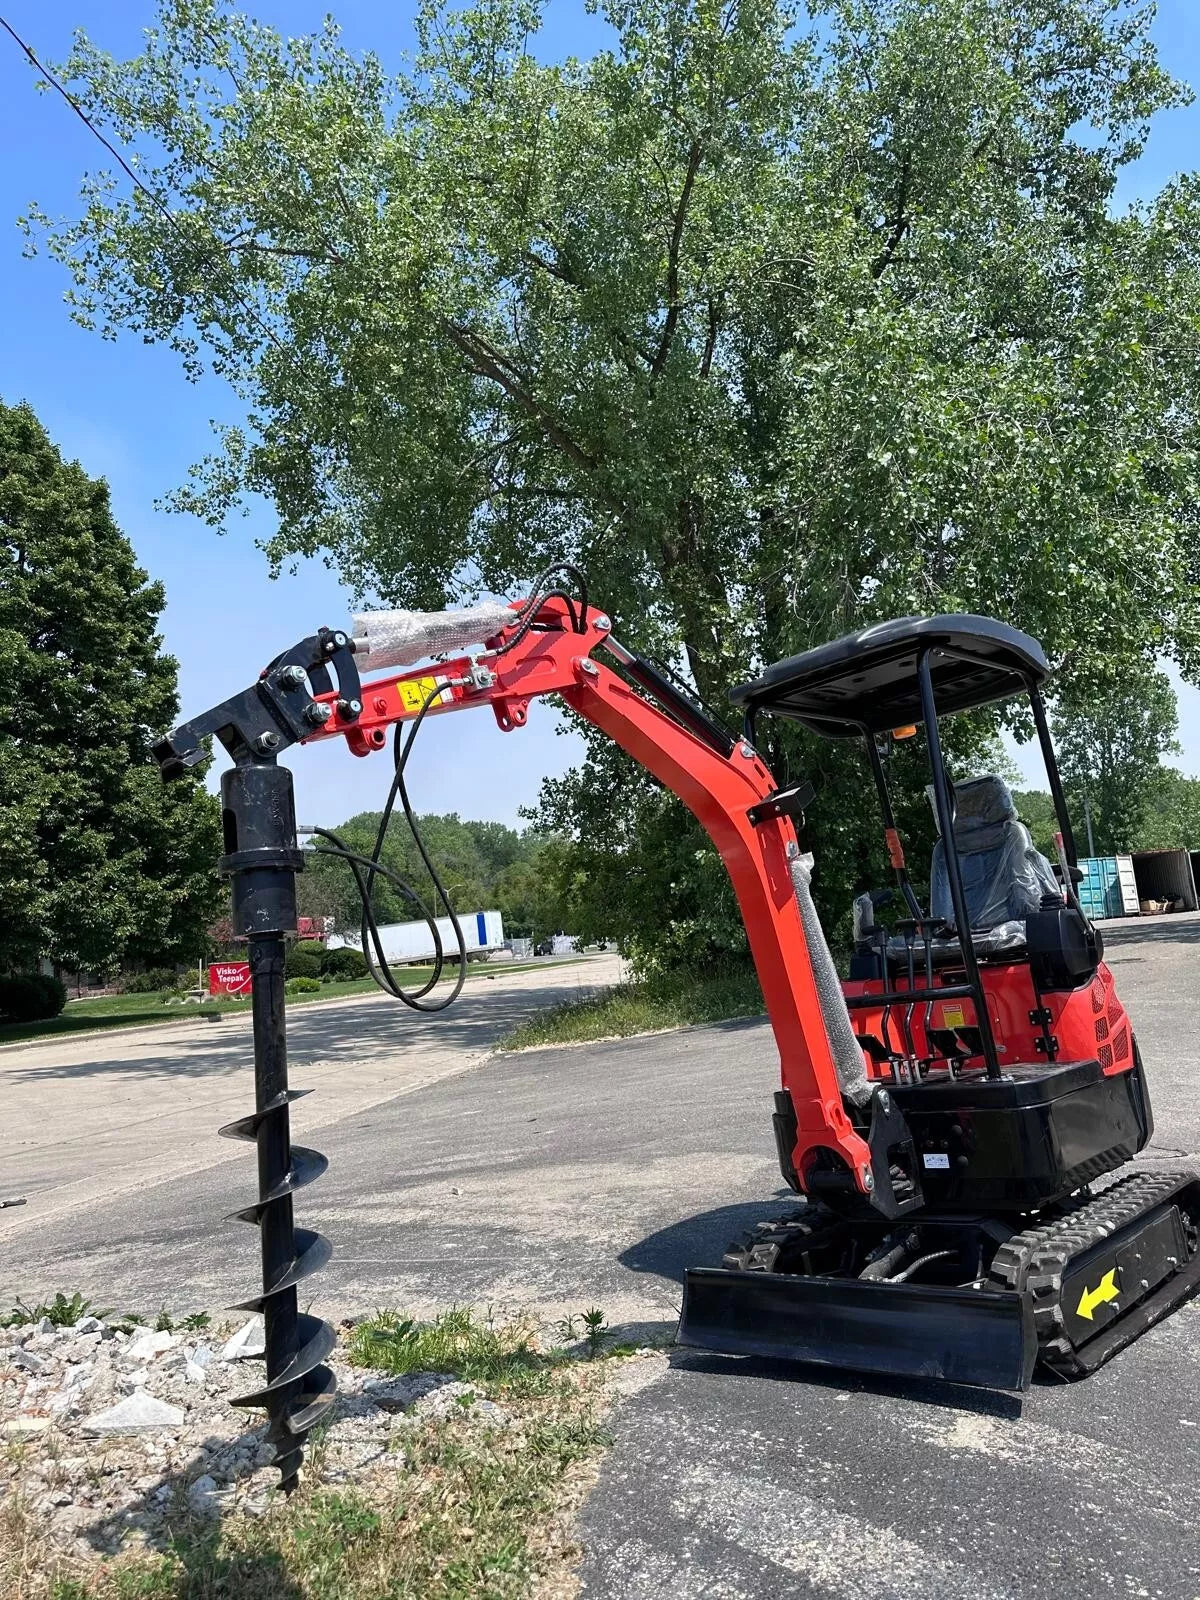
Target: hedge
<point>31,996</point>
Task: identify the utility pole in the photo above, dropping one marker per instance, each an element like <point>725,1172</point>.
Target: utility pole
<point>1087,821</point>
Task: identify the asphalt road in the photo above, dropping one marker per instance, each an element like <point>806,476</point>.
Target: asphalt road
<point>566,1178</point>
<point>735,1480</point>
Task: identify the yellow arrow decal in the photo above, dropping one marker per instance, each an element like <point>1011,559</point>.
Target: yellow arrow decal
<point>1105,1291</point>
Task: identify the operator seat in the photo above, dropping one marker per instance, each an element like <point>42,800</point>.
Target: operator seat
<point>1004,877</point>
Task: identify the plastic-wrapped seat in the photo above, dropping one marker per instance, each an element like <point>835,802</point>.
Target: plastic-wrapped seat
<point>1004,877</point>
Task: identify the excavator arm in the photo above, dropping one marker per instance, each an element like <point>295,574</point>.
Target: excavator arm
<point>722,780</point>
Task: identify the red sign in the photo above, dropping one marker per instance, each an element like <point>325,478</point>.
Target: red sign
<point>229,977</point>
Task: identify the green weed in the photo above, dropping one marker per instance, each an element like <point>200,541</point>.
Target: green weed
<point>457,1342</point>
<point>61,1311</point>
<point>595,1330</point>
<point>147,1580</point>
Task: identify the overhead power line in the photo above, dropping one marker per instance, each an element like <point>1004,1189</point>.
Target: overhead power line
<point>155,199</point>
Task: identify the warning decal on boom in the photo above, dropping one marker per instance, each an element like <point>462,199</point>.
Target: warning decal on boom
<point>415,691</point>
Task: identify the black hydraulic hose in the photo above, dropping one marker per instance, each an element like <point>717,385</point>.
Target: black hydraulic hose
<point>367,868</point>
<point>884,1265</point>
<point>539,593</point>
<point>355,862</point>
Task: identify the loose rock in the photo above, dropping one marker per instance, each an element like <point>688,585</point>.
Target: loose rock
<point>250,1340</point>
<point>202,1498</point>
<point>24,1427</point>
<point>25,1359</point>
<point>135,1415</point>
<point>150,1345</point>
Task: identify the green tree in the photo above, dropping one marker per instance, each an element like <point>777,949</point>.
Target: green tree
<point>1035,807</point>
<point>545,890</point>
<point>472,859</point>
<point>1110,750</point>
<point>101,860</point>
<point>1172,816</point>
<point>778,319</point>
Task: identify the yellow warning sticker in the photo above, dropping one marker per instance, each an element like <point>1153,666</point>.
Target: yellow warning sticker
<point>953,1017</point>
<point>415,691</point>
<point>1105,1291</point>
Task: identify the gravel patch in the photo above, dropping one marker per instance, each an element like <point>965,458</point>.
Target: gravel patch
<point>111,1434</point>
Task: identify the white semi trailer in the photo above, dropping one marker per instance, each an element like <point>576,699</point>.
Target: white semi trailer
<point>483,932</point>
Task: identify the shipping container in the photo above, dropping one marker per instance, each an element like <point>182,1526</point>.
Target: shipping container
<point>1127,879</point>
<point>1100,888</point>
<point>483,931</point>
<point>1165,880</point>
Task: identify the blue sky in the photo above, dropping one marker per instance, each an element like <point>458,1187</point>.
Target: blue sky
<point>127,413</point>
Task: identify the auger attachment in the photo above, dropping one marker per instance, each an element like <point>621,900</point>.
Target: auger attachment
<point>261,861</point>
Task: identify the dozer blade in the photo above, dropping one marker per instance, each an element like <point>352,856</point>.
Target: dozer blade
<point>983,1337</point>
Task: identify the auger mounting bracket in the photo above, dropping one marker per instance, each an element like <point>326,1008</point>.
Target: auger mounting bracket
<point>791,803</point>
<point>273,714</point>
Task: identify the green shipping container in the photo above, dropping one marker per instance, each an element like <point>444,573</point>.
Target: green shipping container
<point>1100,889</point>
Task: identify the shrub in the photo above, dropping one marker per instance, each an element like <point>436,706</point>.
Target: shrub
<point>300,964</point>
<point>311,947</point>
<point>179,986</point>
<point>149,982</point>
<point>31,996</point>
<point>303,985</point>
<point>344,964</point>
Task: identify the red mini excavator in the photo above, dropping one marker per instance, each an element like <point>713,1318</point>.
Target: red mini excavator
<point>942,1113</point>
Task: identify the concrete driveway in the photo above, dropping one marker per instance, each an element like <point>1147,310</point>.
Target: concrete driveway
<point>566,1178</point>
<point>85,1117</point>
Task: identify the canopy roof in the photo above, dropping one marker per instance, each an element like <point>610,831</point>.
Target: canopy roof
<point>867,681</point>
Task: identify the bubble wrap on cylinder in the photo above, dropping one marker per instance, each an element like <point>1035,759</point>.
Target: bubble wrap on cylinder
<point>397,638</point>
<point>845,1048</point>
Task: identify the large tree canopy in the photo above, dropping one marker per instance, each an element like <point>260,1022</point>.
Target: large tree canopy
<point>773,329</point>
<point>1110,749</point>
<point>98,859</point>
<point>777,319</point>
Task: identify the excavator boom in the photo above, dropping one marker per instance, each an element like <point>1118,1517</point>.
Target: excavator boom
<point>721,779</point>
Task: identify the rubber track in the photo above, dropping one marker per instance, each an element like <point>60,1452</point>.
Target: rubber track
<point>1039,1259</point>
<point>760,1247</point>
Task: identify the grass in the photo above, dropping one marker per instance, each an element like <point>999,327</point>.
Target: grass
<point>114,1011</point>
<point>147,1010</point>
<point>471,1512</point>
<point>503,1358</point>
<point>672,1000</point>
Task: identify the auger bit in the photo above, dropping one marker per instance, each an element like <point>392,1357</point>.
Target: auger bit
<point>261,861</point>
